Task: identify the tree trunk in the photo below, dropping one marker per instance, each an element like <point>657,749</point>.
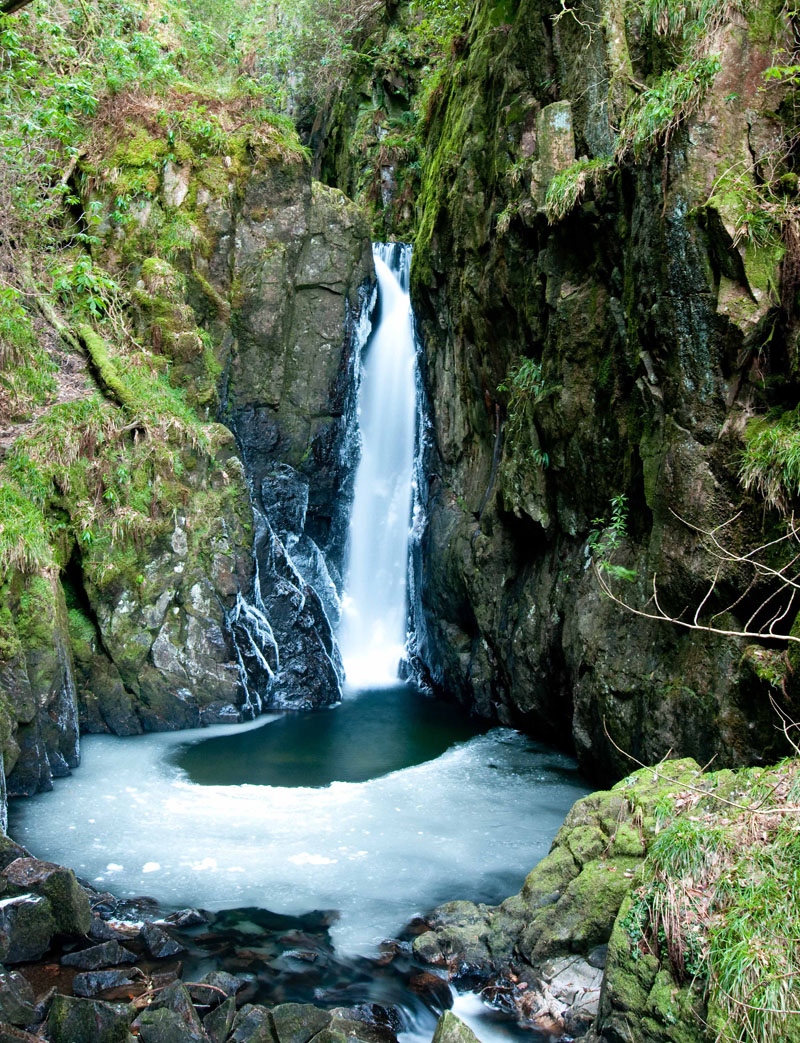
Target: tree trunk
<point>10,6</point>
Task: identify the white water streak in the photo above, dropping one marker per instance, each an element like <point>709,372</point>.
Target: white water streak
<point>372,636</point>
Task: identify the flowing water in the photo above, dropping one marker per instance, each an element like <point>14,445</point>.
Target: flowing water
<point>315,837</point>
<point>373,631</point>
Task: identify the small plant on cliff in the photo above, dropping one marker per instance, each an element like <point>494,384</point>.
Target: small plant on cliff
<point>568,188</point>
<point>526,387</point>
<point>771,460</point>
<point>607,536</point>
<point>662,108</point>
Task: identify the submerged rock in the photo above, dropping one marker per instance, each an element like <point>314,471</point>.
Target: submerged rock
<point>159,944</point>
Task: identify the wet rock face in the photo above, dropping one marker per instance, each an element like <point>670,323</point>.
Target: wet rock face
<point>278,287</point>
<point>303,263</point>
<point>38,711</point>
<point>628,305</point>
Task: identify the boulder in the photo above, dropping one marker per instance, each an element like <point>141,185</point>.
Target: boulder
<point>72,1020</point>
<point>252,1025</point>
<point>215,987</point>
<point>298,1022</point>
<point>17,1002</point>
<point>92,983</point>
<point>26,926</point>
<point>159,944</point>
<point>109,954</point>
<point>219,1023</point>
<point>68,901</point>
<point>168,1026</point>
<point>450,1029</point>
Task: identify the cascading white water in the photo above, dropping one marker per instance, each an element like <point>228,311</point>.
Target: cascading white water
<point>372,635</point>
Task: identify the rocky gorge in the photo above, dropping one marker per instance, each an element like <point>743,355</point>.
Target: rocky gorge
<point>601,204</point>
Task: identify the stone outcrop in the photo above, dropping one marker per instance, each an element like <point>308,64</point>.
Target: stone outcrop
<point>641,322</point>
<point>249,285</point>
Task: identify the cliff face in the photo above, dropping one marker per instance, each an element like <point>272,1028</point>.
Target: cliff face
<point>179,559</point>
<point>617,350</point>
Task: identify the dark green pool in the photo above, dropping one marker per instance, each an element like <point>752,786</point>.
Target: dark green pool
<point>369,735</point>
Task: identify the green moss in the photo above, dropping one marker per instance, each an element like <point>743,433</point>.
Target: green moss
<point>37,610</point>
<point>141,150</point>
<point>568,188</point>
<point>81,628</point>
<point>10,643</point>
<point>24,532</point>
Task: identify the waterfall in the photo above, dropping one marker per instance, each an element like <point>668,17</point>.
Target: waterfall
<point>372,634</point>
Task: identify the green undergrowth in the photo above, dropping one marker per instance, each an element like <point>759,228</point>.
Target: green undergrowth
<point>718,903</point>
<point>568,188</point>
<point>26,369</point>
<point>771,460</point>
<point>99,472</point>
<point>526,387</point>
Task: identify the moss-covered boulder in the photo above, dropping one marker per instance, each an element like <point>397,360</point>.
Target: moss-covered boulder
<point>549,940</point>
<point>74,1020</point>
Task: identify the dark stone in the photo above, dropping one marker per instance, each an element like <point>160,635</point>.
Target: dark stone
<point>219,1023</point>
<point>9,851</point>
<point>598,956</point>
<point>159,944</point>
<point>284,494</point>
<point>373,1014</point>
<point>215,987</point>
<point>431,986</point>
<point>168,1026</point>
<point>186,918</point>
<point>26,927</point>
<point>109,954</point>
<point>68,901</point>
<point>298,1022</point>
<point>92,983</point>
<point>100,931</point>
<point>17,1002</point>
<point>74,1020</point>
<point>253,1025</point>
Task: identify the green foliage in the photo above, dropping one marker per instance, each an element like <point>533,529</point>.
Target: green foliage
<point>686,18</point>
<point>607,536</point>
<point>660,109</point>
<point>719,901</point>
<point>526,387</point>
<point>85,288</point>
<point>26,370</point>
<point>568,188</point>
<point>24,534</point>
<point>771,459</point>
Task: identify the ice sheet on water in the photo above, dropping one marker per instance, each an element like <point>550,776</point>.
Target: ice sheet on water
<point>469,824</point>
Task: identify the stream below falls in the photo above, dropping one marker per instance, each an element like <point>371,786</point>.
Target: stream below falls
<point>411,806</point>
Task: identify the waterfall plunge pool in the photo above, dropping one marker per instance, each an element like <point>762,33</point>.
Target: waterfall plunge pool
<point>442,815</point>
